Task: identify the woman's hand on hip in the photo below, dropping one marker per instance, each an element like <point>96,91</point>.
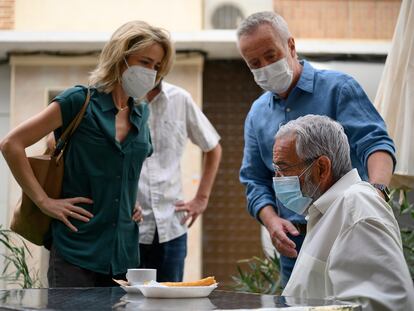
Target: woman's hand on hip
<point>62,209</point>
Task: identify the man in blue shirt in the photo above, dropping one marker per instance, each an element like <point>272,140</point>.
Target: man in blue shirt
<point>293,89</point>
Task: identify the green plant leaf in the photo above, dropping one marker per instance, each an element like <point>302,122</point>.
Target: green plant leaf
<point>261,275</point>
<point>402,206</point>
<point>16,270</point>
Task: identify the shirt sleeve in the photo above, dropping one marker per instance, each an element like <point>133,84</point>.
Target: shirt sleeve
<point>151,147</point>
<point>367,266</point>
<point>200,131</point>
<point>145,116</point>
<point>70,102</point>
<point>254,174</point>
<point>365,128</point>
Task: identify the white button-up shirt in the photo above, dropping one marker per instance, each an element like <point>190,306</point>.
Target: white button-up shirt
<point>353,250</point>
<point>174,117</point>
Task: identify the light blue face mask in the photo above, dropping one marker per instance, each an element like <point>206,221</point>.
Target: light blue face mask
<point>288,192</point>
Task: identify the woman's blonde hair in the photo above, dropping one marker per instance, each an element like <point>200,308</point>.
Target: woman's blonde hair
<point>130,38</point>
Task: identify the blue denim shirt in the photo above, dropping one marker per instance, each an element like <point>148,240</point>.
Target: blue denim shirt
<point>322,92</point>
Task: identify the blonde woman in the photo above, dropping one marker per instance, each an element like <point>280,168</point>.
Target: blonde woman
<point>94,232</point>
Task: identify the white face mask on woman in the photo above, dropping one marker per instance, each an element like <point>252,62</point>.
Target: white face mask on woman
<point>137,81</point>
<point>275,77</point>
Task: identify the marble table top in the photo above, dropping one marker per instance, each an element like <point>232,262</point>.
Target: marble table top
<point>114,298</point>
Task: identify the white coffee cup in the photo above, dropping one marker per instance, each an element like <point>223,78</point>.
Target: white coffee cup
<point>139,276</point>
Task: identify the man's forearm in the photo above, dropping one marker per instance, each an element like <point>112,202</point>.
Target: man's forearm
<point>267,214</point>
<point>210,167</point>
<point>380,167</point>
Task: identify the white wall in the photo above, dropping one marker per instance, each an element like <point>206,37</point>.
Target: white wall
<point>4,128</point>
<point>106,15</point>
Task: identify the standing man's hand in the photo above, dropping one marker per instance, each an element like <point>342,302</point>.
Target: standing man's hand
<point>137,213</point>
<point>193,209</point>
<point>198,205</point>
<point>278,229</point>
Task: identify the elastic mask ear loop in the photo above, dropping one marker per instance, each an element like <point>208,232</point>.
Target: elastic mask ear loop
<point>126,62</point>
<point>314,191</point>
<point>306,169</point>
<point>317,187</point>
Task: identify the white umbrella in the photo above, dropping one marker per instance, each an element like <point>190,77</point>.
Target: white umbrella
<point>395,96</point>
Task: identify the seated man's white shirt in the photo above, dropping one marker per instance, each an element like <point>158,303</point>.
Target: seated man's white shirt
<point>174,118</point>
<point>353,250</point>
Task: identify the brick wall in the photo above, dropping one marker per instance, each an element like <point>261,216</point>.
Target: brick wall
<point>6,14</point>
<point>343,19</point>
<point>229,232</point>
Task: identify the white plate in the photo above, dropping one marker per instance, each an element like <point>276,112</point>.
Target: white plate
<point>132,289</point>
<point>176,292</point>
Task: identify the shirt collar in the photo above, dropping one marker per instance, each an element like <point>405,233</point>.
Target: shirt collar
<point>106,103</point>
<point>162,94</point>
<point>327,199</point>
<point>137,107</point>
<point>305,82</point>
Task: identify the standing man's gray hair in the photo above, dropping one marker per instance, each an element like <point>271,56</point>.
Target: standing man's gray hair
<point>250,24</point>
<point>320,136</point>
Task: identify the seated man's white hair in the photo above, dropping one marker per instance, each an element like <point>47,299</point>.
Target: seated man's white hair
<point>320,136</point>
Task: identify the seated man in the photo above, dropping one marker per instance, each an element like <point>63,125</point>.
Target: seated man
<point>352,250</point>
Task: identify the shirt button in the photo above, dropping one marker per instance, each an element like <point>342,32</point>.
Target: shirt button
<point>117,200</point>
<point>118,176</point>
<point>113,224</point>
<point>287,109</point>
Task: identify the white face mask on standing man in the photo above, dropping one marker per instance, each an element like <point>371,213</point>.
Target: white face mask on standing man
<point>276,77</point>
<point>137,81</point>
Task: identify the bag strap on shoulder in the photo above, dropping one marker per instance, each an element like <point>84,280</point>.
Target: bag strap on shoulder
<point>64,138</point>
